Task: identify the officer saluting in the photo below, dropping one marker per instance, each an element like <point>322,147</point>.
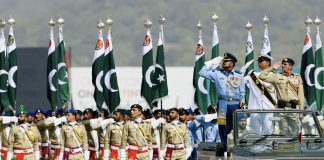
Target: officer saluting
<point>230,87</point>
<point>74,142</point>
<point>290,93</point>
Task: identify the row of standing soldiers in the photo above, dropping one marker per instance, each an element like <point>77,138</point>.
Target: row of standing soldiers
<point>128,135</point>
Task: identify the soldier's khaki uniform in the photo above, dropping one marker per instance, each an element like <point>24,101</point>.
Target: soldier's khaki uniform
<point>113,138</point>
<point>74,141</point>
<point>45,141</point>
<point>23,141</point>
<point>289,91</point>
<point>91,141</point>
<point>54,135</point>
<point>171,141</point>
<point>138,134</point>
<point>4,135</point>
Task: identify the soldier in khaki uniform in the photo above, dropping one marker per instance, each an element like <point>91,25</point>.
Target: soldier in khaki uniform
<point>138,134</point>
<point>113,136</point>
<point>92,134</point>
<point>175,139</point>
<point>33,125</point>
<point>290,93</point>
<point>40,117</point>
<point>6,123</point>
<point>74,141</point>
<point>23,141</point>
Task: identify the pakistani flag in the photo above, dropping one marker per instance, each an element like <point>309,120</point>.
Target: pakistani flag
<point>160,76</point>
<point>265,47</point>
<point>12,74</point>
<point>199,83</point>
<point>51,72</point>
<point>111,91</point>
<point>215,53</point>
<point>97,71</point>
<point>147,69</point>
<point>4,99</point>
<point>248,57</point>
<point>306,71</point>
<point>62,70</point>
<point>318,76</point>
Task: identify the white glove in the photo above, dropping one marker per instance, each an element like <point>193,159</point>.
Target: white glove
<point>123,154</point>
<point>162,153</point>
<point>196,122</point>
<point>14,119</point>
<point>151,153</point>
<point>63,119</point>
<point>188,152</point>
<point>37,155</point>
<point>162,120</point>
<point>243,69</point>
<point>9,156</point>
<point>93,122</point>
<point>214,62</point>
<point>106,154</point>
<point>61,156</point>
<point>6,119</point>
<point>86,155</point>
<point>106,122</point>
<point>57,121</point>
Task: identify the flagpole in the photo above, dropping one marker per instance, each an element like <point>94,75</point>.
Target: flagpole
<point>2,26</point>
<point>162,22</point>
<point>109,23</point>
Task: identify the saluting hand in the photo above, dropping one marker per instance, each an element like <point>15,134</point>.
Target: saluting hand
<point>277,65</point>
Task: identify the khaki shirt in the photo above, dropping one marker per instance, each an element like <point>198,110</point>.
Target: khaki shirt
<point>71,132</point>
<point>36,132</point>
<point>4,132</point>
<point>137,133</point>
<point>43,131</point>
<point>114,134</point>
<point>88,128</point>
<point>54,132</point>
<point>288,88</point>
<point>23,136</point>
<point>170,134</point>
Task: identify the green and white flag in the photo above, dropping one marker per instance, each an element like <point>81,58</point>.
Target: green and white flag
<point>266,48</point>
<point>4,99</point>
<point>62,70</point>
<point>307,71</point>
<point>160,75</point>
<point>147,69</point>
<point>318,74</point>
<point>51,72</point>
<point>111,89</point>
<point>215,53</point>
<point>12,74</point>
<point>97,71</point>
<point>199,83</point>
<point>248,57</point>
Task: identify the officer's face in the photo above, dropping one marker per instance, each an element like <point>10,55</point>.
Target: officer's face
<point>22,118</point>
<point>228,64</point>
<point>264,64</point>
<point>174,115</point>
<point>31,119</point>
<point>286,67</point>
<point>126,118</point>
<point>39,116</point>
<point>136,113</point>
<point>183,117</point>
<point>87,116</point>
<point>242,124</point>
<point>117,116</point>
<point>70,117</point>
<point>78,117</point>
<point>158,115</point>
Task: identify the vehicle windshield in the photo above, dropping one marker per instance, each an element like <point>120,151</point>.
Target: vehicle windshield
<point>287,125</point>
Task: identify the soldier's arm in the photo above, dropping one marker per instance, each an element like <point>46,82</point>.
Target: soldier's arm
<point>208,74</point>
<point>150,135</point>
<point>38,139</point>
<point>124,136</point>
<point>242,88</point>
<point>85,144</point>
<point>11,139</point>
<point>301,94</point>
<point>186,138</point>
<point>107,137</point>
<point>163,137</point>
<point>266,75</point>
<point>62,139</point>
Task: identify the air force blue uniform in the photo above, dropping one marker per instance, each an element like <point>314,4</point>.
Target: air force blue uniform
<point>231,90</point>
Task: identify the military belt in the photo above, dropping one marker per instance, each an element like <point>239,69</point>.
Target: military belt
<point>138,148</point>
<point>228,99</point>
<point>73,150</point>
<point>55,146</point>
<point>289,103</point>
<point>4,148</point>
<point>175,146</point>
<point>92,148</point>
<point>102,145</point>
<point>114,147</point>
<point>24,151</point>
<point>44,144</point>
